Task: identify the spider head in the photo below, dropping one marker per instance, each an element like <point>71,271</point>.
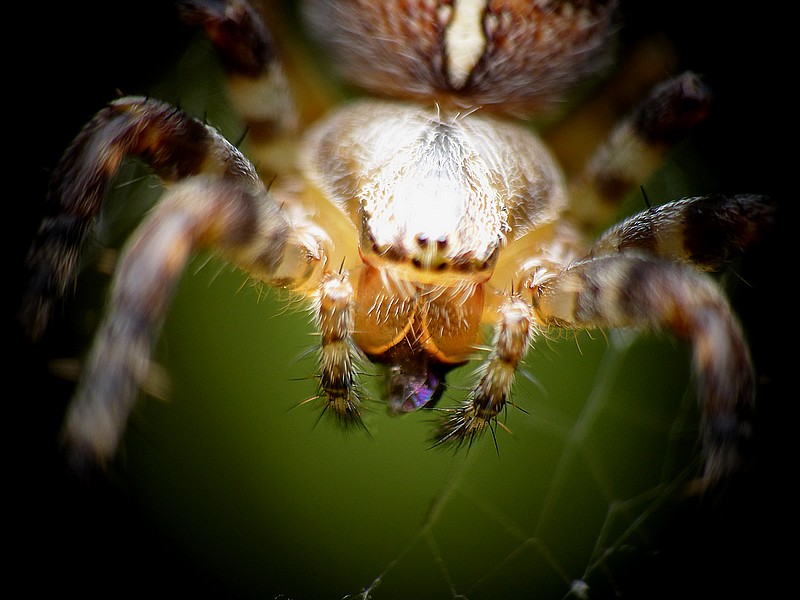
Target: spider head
<point>433,211</point>
<point>432,195</point>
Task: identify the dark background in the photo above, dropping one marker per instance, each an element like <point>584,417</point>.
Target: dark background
<point>73,58</point>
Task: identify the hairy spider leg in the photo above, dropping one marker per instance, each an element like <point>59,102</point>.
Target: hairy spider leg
<point>271,83</point>
<point>645,292</point>
<point>646,273</point>
<point>257,83</point>
<point>174,147</point>
<point>635,148</point>
<point>582,128</point>
<point>195,213</point>
<point>214,200</point>
<point>338,353</point>
<point>512,337</point>
<point>706,231</point>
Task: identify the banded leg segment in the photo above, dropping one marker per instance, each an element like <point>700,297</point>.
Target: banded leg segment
<point>338,353</point>
<point>201,212</point>
<point>174,145</point>
<point>643,292</point>
<point>635,148</point>
<point>511,340</point>
<point>257,84</point>
<point>214,200</point>
<point>706,231</point>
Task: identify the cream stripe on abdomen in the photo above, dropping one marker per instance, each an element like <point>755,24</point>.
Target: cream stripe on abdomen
<point>464,40</point>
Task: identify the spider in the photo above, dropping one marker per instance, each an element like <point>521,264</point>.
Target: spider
<point>413,220</point>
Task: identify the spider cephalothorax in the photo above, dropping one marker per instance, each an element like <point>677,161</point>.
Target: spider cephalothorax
<point>410,222</point>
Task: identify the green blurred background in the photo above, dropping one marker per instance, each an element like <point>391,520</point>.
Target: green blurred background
<point>233,488</point>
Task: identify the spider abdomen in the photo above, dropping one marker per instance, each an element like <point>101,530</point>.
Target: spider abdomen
<point>509,55</point>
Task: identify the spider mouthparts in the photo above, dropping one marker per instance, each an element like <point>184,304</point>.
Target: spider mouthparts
<point>415,380</point>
